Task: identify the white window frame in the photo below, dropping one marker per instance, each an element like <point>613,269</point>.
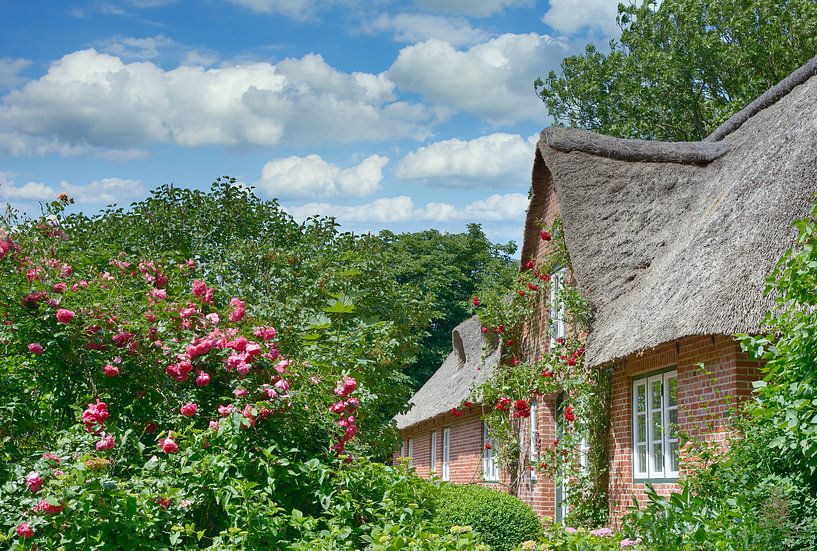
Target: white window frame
<point>533,437</point>
<point>490,466</point>
<point>432,468</point>
<point>403,449</point>
<point>411,452</point>
<point>557,323</point>
<point>446,453</point>
<point>669,434</point>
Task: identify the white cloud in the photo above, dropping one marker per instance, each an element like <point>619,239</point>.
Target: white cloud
<point>476,8</point>
<point>312,177</point>
<point>130,48</point>
<point>10,72</point>
<point>498,159</point>
<point>493,79</point>
<point>294,9</point>
<point>98,192</point>
<point>417,27</point>
<point>569,16</point>
<point>92,101</point>
<point>510,206</point>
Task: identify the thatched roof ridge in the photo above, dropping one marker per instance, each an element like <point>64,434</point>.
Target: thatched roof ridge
<point>669,244</point>
<point>466,367</point>
<point>568,140</point>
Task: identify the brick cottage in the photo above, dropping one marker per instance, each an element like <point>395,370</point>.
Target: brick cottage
<point>672,243</point>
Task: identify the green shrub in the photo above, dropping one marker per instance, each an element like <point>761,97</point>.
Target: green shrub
<point>502,520</point>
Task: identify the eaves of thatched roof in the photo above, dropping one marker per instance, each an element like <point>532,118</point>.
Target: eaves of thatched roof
<point>469,364</point>
<point>676,239</point>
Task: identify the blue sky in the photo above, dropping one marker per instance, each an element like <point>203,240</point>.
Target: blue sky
<point>386,114</point>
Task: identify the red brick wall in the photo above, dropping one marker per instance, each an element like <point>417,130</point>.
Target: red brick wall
<point>536,340</point>
<point>705,397</point>
<point>540,492</point>
<point>465,459</point>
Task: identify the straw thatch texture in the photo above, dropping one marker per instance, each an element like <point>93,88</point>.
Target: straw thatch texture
<point>463,369</point>
<point>673,240</point>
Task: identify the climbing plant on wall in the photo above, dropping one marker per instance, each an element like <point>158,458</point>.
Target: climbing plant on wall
<point>578,455</point>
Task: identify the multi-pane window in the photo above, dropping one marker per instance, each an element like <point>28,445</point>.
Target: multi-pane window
<point>533,437</point>
<point>558,323</point>
<point>655,420</point>
<point>432,464</point>
<point>446,451</point>
<point>411,452</point>
<point>490,466</point>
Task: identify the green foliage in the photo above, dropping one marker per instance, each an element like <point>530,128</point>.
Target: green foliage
<point>558,537</point>
<point>447,269</point>
<point>561,370</point>
<point>258,455</point>
<point>502,520</point>
<point>760,492</point>
<point>681,68</point>
<point>331,295</point>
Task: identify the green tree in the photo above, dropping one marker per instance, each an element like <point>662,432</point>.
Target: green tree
<point>447,269</point>
<point>680,69</point>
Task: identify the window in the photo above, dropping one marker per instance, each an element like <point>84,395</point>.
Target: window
<point>558,324</point>
<point>411,452</point>
<point>446,451</point>
<point>432,463</point>
<point>490,467</point>
<point>655,419</point>
<point>403,449</point>
<point>533,437</point>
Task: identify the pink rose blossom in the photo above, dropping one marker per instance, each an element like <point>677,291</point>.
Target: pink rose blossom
<point>189,409</point>
<point>168,445</point>
<point>240,392</point>
<point>202,379</point>
<point>59,287</point>
<point>95,414</point>
<point>44,507</point>
<point>51,457</point>
<point>24,531</point>
<point>35,348</point>
<point>213,425</point>
<point>65,316</point>
<point>238,310</point>
<point>105,443</point>
<point>265,333</point>
<point>110,370</point>
<point>34,481</point>
<point>346,386</point>
<point>213,318</point>
<point>602,532</point>
<point>224,411</point>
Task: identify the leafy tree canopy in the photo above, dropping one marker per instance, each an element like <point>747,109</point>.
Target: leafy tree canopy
<point>447,269</point>
<point>680,69</point>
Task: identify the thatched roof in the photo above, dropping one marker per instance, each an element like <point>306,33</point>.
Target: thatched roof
<point>466,367</point>
<point>677,239</point>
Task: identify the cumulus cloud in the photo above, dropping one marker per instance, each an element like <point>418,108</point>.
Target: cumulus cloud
<point>498,159</point>
<point>510,206</point>
<point>493,79</point>
<point>312,177</point>
<point>475,8</point>
<point>130,48</point>
<point>569,16</point>
<point>10,72</point>
<point>94,101</point>
<point>417,27</point>
<point>98,192</point>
